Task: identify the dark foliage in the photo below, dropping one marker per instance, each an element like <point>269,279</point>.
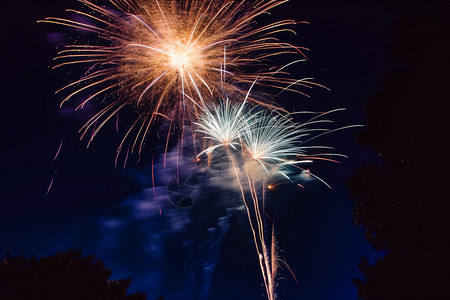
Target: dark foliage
<point>65,275</point>
<point>404,203</point>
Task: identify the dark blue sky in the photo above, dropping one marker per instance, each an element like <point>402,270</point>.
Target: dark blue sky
<point>113,214</point>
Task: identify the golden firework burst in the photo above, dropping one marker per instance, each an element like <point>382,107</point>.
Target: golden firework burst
<point>168,58</point>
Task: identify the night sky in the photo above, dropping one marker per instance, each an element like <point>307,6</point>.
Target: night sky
<point>205,252</point>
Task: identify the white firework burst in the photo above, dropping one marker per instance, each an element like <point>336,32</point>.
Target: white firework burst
<point>222,125</point>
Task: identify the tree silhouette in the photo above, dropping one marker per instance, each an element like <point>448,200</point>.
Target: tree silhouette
<point>66,275</point>
<point>404,203</point>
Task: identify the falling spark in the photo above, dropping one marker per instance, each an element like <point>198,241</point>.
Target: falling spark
<point>56,168</point>
<point>126,159</point>
<point>51,184</point>
<point>57,152</point>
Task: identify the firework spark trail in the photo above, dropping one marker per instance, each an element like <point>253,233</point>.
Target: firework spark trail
<point>151,55</point>
<point>55,168</point>
<point>266,142</point>
<point>256,230</point>
<point>222,126</point>
<point>266,145</point>
<point>57,152</point>
<point>50,185</point>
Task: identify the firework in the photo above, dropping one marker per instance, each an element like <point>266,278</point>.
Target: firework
<point>224,125</point>
<point>264,143</point>
<point>169,60</point>
<point>221,125</point>
<point>155,55</point>
<point>272,139</point>
<point>269,137</point>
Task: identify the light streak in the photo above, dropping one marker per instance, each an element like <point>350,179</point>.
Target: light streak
<point>51,183</point>
<point>57,152</point>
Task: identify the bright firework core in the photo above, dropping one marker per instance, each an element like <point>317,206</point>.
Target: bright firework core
<point>179,58</point>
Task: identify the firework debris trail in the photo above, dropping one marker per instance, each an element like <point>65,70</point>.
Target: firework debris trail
<point>173,61</point>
